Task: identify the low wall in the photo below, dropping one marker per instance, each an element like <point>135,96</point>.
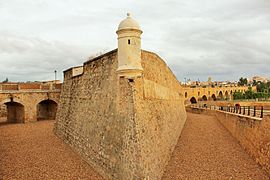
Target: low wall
<point>252,133</point>
<point>200,111</point>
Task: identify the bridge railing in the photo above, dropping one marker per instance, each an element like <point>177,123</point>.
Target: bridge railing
<point>252,111</point>
<point>26,87</point>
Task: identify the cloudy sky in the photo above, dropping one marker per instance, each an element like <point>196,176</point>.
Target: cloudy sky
<point>224,39</point>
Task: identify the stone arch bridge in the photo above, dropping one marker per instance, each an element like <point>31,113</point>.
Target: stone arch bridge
<point>209,93</point>
<point>28,102</point>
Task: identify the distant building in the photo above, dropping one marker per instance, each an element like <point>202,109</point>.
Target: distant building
<point>259,79</point>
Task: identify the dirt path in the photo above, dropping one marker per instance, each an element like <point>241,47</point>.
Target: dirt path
<point>32,151</point>
<point>207,151</point>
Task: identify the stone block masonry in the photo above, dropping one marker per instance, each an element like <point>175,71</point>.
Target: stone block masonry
<point>124,128</point>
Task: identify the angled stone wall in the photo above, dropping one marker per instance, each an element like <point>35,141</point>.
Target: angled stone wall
<point>124,128</point>
<point>160,114</point>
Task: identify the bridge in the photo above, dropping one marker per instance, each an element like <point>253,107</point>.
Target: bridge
<point>193,94</point>
<point>28,102</point>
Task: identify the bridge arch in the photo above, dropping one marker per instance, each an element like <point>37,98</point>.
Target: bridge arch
<point>214,97</point>
<point>204,98</point>
<point>46,110</point>
<point>220,95</point>
<point>12,99</point>
<point>227,95</point>
<point>15,112</point>
<point>193,100</point>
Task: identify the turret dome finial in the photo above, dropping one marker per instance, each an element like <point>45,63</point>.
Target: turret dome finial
<point>128,14</point>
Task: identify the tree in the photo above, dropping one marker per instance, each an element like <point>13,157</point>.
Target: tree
<point>5,81</point>
<point>242,81</point>
<point>249,94</point>
<point>238,95</point>
<point>262,87</point>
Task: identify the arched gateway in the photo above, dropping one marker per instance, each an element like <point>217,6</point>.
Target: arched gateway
<point>46,110</point>
<point>15,112</point>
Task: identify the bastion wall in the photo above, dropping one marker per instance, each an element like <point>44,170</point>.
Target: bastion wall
<point>124,128</point>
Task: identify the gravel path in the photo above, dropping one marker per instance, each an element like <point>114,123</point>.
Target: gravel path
<point>206,150</point>
<point>32,151</point>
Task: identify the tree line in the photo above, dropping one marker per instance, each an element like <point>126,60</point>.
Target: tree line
<point>263,90</point>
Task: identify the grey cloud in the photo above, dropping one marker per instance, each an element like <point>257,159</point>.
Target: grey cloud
<point>31,58</point>
<point>223,39</point>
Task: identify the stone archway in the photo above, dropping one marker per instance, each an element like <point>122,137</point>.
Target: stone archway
<point>220,95</point>
<point>227,95</point>
<point>46,110</point>
<point>15,112</point>
<point>214,97</point>
<point>204,98</point>
<point>193,100</point>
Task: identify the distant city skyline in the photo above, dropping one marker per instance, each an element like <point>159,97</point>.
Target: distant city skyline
<point>225,39</point>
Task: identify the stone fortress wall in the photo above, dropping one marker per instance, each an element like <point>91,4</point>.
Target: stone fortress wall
<point>125,128</point>
<point>122,111</point>
<point>160,112</point>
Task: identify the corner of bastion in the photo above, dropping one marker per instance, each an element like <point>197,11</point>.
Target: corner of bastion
<point>123,111</point>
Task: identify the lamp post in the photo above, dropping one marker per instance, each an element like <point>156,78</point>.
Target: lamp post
<point>55,74</point>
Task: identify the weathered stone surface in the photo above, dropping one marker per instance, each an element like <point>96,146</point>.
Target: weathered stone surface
<point>3,110</point>
<point>125,128</point>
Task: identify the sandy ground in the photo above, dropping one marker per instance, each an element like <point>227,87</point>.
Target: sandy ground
<point>32,151</point>
<point>204,151</point>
